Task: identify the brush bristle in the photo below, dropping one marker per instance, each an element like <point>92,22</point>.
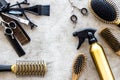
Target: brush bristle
<point>79,65</point>
<point>104,10</point>
<point>111,40</point>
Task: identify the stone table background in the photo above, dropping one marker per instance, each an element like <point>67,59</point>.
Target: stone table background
<point>53,42</point>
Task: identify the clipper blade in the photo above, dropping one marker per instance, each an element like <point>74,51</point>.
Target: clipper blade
<point>111,39</point>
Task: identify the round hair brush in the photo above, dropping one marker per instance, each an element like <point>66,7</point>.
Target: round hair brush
<point>78,66</point>
<point>26,68</point>
<point>105,10</point>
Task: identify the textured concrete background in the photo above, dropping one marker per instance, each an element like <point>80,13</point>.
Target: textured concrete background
<point>53,42</point>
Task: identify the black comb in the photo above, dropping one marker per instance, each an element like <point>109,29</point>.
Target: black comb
<point>105,10</point>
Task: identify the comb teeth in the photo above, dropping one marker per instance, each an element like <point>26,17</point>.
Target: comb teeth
<point>111,40</point>
<point>78,66</point>
<point>30,68</point>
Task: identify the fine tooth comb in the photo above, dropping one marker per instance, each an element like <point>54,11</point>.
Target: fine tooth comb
<point>26,68</point>
<point>78,66</point>
<point>111,40</point>
<point>105,10</point>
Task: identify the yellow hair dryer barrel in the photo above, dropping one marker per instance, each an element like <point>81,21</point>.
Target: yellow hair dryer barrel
<point>97,53</point>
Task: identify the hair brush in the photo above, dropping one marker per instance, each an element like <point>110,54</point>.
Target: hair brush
<point>78,66</point>
<point>105,10</point>
<point>111,40</point>
<point>26,68</point>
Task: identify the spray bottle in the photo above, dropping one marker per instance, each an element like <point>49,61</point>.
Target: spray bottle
<point>97,53</point>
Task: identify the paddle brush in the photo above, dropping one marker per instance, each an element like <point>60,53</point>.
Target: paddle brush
<point>105,10</point>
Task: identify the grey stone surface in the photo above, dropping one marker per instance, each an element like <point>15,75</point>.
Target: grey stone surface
<point>53,42</point>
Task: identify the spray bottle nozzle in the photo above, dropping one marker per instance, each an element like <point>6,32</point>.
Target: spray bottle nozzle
<point>82,35</point>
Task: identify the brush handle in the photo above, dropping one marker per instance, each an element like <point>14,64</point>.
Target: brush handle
<point>4,68</point>
<point>15,45</point>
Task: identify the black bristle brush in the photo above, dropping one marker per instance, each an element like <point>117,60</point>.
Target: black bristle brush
<point>78,66</point>
<point>105,10</point>
<point>111,40</point>
<point>26,68</point>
